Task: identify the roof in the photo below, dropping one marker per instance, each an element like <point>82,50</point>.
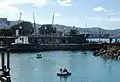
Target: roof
<point>3,25</point>
<point>115,36</point>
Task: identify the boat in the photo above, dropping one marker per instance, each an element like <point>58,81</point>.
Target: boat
<point>21,44</point>
<point>64,74</point>
<point>39,56</point>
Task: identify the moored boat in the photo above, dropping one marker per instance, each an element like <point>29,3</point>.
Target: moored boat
<point>21,44</point>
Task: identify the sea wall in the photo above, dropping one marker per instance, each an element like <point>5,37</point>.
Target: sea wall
<point>70,47</point>
<point>56,47</point>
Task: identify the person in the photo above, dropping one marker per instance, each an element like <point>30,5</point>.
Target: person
<point>116,40</point>
<point>60,70</point>
<point>65,70</point>
<point>110,40</point>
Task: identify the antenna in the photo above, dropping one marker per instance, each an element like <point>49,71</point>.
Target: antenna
<point>34,25</point>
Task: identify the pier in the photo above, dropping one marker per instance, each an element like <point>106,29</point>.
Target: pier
<point>5,70</point>
<point>50,43</point>
<point>57,47</point>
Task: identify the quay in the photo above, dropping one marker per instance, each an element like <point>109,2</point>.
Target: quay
<point>57,47</point>
<point>50,43</point>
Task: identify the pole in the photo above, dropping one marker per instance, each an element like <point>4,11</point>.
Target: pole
<point>2,60</point>
<point>99,34</point>
<point>8,59</point>
<point>8,67</point>
<point>34,25</point>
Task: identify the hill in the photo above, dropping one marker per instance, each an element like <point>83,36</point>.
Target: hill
<point>66,29</point>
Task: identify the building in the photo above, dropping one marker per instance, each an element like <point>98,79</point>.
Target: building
<point>4,23</point>
<point>47,29</point>
<point>81,38</point>
<point>46,39</point>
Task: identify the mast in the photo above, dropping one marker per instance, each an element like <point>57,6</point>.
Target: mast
<point>86,25</point>
<point>86,28</point>
<point>20,28</point>
<point>99,34</point>
<point>85,37</point>
<point>34,25</point>
<point>52,25</point>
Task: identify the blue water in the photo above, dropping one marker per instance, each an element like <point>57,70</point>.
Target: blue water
<point>84,67</point>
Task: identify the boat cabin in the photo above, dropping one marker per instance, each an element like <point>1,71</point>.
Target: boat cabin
<point>21,40</point>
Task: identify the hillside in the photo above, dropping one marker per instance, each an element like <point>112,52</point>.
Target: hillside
<point>66,29</point>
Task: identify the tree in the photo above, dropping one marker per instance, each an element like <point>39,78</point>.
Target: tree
<point>26,29</point>
<point>6,32</point>
<point>47,29</point>
<point>73,31</point>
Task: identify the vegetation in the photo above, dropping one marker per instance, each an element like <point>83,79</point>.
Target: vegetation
<point>47,29</point>
<point>6,32</point>
<point>26,29</point>
<point>73,31</point>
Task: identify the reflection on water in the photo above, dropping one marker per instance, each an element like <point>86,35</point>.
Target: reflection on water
<point>63,79</point>
<point>25,67</point>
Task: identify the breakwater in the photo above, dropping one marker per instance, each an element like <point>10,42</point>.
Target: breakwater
<point>109,52</point>
<point>52,47</point>
<point>57,47</point>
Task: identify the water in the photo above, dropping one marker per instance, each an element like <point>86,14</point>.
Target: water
<point>102,40</point>
<point>97,40</point>
<point>84,67</point>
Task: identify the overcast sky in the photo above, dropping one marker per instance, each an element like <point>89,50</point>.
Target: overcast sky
<point>96,13</point>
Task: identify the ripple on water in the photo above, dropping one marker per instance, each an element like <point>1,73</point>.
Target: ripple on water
<point>25,67</point>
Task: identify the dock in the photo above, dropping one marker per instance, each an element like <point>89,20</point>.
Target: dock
<point>57,47</point>
<point>5,70</point>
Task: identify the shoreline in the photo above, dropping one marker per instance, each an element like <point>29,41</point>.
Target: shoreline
<point>57,47</point>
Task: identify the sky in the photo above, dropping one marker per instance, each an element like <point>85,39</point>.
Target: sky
<point>80,13</point>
